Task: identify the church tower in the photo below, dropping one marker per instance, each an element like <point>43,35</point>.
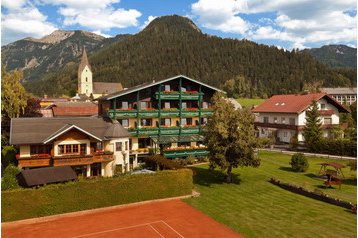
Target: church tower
<point>85,85</point>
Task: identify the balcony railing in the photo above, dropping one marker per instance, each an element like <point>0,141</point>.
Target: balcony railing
<point>154,113</point>
<point>175,95</point>
<point>185,152</point>
<point>41,161</point>
<point>118,113</point>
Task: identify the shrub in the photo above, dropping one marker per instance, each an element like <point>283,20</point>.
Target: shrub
<point>293,143</point>
<point>9,181</point>
<point>191,160</point>
<point>342,147</point>
<point>299,163</point>
<point>159,162</point>
<point>8,156</point>
<point>353,165</point>
<point>263,142</point>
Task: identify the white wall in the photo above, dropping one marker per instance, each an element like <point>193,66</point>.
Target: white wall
<point>86,87</point>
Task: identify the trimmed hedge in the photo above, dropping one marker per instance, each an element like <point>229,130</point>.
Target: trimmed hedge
<point>342,147</point>
<point>318,195</point>
<point>159,162</point>
<point>88,194</point>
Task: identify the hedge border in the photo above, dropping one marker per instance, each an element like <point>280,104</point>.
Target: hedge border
<point>321,197</point>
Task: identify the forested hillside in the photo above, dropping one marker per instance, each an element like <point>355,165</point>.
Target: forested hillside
<point>173,45</point>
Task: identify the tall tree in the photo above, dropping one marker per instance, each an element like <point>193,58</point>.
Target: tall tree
<point>230,137</point>
<point>13,94</point>
<point>312,131</point>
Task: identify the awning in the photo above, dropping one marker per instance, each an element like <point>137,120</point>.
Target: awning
<point>166,139</point>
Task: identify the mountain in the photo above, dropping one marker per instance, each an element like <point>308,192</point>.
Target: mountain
<point>37,57</point>
<point>173,45</point>
<point>335,56</point>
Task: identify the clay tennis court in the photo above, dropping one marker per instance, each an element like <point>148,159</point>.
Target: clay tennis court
<point>169,219</point>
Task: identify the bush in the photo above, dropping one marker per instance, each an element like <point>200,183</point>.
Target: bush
<point>159,162</point>
<point>342,147</point>
<point>9,181</point>
<point>191,160</point>
<point>353,165</point>
<point>299,163</point>
<point>263,142</point>
<point>8,156</point>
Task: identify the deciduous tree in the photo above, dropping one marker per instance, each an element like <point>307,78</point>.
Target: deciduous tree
<point>230,137</point>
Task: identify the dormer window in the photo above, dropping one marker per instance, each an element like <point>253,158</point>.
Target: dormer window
<point>323,106</point>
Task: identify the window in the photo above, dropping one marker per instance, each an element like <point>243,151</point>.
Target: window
<point>119,146</point>
<point>83,148</point>
<point>75,149</point>
<point>183,105</point>
<point>99,146</point>
<point>143,105</point>
<point>323,106</point>
<point>126,145</point>
<point>86,78</point>
<point>292,121</point>
<point>283,120</point>
<point>167,105</point>
<point>40,149</point>
<point>165,122</point>
<point>61,149</point>
<point>182,144</point>
<point>124,122</point>
<point>275,119</point>
<point>183,89</point>
<point>204,121</point>
<point>186,121</point>
<point>167,87</point>
<point>266,119</point>
<point>124,105</point>
<point>327,120</point>
<point>285,134</point>
<point>205,105</point>
<point>146,122</point>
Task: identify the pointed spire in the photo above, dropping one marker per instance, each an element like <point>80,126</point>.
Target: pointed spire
<point>84,61</point>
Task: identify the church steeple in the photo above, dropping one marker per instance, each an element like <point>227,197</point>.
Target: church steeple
<point>85,75</point>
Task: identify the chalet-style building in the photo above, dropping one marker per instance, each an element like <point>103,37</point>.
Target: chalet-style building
<point>342,95</point>
<point>168,115</point>
<point>87,87</point>
<point>284,116</point>
<point>92,146</point>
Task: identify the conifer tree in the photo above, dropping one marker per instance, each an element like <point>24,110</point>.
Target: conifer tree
<point>312,131</point>
<point>230,137</point>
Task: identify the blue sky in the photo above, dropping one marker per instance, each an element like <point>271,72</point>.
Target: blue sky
<point>288,24</point>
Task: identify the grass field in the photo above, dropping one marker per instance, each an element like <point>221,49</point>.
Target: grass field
<point>256,208</point>
<point>249,102</point>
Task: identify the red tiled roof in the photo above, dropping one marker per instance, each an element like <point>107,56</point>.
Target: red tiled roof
<point>294,103</point>
<point>75,111</point>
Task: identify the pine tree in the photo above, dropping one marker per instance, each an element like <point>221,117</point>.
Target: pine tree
<point>312,131</point>
<point>230,137</point>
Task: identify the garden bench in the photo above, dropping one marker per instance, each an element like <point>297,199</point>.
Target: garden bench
<point>332,180</point>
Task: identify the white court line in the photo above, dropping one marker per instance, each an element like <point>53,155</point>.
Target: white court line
<point>117,229</point>
<point>172,228</point>
<point>156,231</point>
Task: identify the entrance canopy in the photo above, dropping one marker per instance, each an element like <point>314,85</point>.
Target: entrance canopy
<point>166,139</point>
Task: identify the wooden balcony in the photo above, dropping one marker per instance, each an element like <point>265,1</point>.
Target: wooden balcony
<point>47,160</point>
<point>81,159</point>
<point>34,161</point>
<point>277,125</point>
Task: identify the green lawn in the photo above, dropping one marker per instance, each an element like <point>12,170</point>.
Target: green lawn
<point>249,102</point>
<point>256,208</point>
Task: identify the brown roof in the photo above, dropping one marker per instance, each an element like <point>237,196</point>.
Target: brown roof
<point>294,103</point>
<point>106,88</point>
<point>64,109</point>
<point>40,129</point>
<point>84,61</point>
<point>41,176</point>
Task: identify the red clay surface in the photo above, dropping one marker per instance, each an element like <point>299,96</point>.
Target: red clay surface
<point>169,219</point>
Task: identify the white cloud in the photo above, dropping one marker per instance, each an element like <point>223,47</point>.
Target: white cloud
<point>299,22</point>
<point>101,34</point>
<point>95,15</point>
<point>221,15</point>
<point>24,22</point>
<point>13,4</point>
<point>149,20</point>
